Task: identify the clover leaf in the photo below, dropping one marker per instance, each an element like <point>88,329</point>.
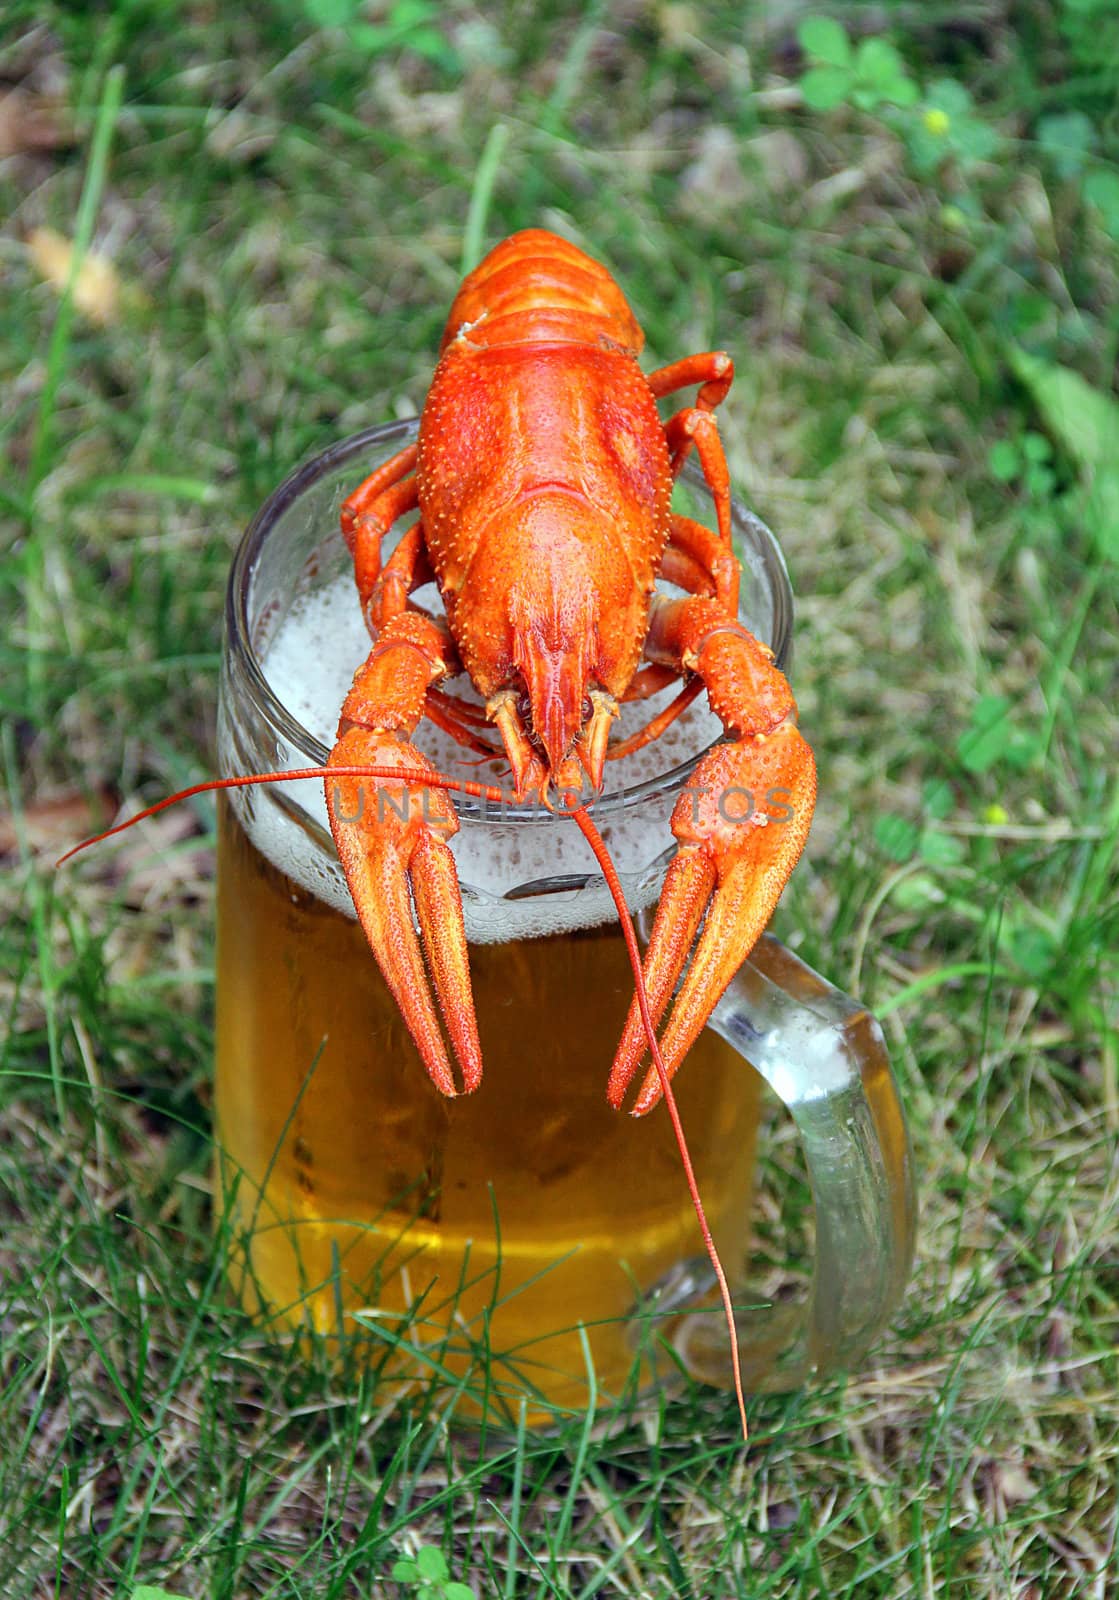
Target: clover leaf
<point>429,1573</point>
<point>937,798</point>
<point>1033,949</point>
<point>1083,420</point>
<point>940,849</point>
<point>1101,189</point>
<point>896,836</point>
<point>992,736</point>
<point>1026,458</point>
<point>868,75</point>
<point>1068,138</point>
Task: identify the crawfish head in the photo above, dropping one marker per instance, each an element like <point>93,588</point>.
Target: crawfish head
<point>549,629</point>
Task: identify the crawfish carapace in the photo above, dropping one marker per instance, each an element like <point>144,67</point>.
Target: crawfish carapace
<point>543,479</point>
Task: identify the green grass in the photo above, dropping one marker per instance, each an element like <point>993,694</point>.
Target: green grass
<point>293,218</point>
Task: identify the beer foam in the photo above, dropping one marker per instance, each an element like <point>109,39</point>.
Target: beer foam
<point>520,878</point>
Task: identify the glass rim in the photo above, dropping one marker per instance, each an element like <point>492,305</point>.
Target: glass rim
<point>268,705</point>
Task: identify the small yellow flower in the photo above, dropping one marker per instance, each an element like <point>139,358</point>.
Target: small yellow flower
<point>937,122</point>
<point>995,815</point>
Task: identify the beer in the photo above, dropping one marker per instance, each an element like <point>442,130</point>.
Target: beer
<point>494,1222</point>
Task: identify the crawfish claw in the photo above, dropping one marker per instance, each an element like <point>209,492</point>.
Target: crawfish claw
<point>391,837</point>
<point>742,824</point>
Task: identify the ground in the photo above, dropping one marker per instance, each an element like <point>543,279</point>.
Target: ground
<point>278,213</point>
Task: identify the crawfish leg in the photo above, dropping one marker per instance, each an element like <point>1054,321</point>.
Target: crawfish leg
<point>741,825</point>
<point>657,725</point>
<point>698,560</point>
<point>406,569</point>
<point>694,560</point>
<point>680,567</point>
<point>460,720</point>
<point>648,681</point>
<point>713,370</point>
<point>699,427</point>
<point>391,835</point>
<point>369,513</point>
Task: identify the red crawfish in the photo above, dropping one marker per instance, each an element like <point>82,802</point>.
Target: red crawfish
<point>543,478</point>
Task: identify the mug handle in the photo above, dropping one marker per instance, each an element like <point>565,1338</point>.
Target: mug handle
<point>824,1056</point>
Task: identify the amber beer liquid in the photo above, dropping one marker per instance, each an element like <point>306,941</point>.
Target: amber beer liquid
<point>497,1222</point>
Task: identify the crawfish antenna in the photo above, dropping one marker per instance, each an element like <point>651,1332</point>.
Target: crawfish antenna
<point>434,780</point>
<point>609,872</point>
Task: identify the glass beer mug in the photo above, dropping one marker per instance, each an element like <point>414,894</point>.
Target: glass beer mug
<point>511,1239</point>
